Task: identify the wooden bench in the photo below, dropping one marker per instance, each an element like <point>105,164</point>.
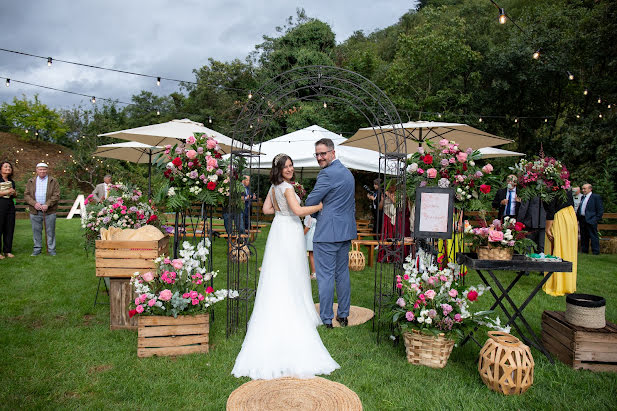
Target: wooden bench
<point>64,207</point>
<point>371,244</point>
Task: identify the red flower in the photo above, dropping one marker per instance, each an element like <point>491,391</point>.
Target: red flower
<point>440,258</point>
<point>464,166</point>
<point>211,185</point>
<point>209,290</point>
<point>153,217</point>
<point>132,313</point>
<point>177,162</point>
<point>218,155</point>
<point>519,226</point>
<point>167,173</point>
<point>428,159</point>
<point>472,295</point>
<point>485,188</point>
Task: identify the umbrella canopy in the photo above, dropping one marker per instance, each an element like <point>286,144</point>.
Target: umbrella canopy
<point>300,146</point>
<point>419,132</point>
<point>130,151</point>
<point>492,152</point>
<point>173,132</point>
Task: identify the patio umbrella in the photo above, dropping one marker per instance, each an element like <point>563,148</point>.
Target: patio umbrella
<point>173,132</point>
<point>132,151</point>
<point>492,152</point>
<point>418,132</point>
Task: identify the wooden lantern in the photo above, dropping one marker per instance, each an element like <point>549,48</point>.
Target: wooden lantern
<point>357,262</point>
<point>239,253</point>
<point>506,364</point>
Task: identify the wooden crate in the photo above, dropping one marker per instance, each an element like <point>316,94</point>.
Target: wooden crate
<point>123,258</point>
<point>164,336</point>
<point>121,294</point>
<point>579,347</point>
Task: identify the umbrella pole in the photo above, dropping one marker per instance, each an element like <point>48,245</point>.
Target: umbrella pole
<point>150,175</point>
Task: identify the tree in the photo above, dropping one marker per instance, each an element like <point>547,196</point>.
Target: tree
<point>33,120</point>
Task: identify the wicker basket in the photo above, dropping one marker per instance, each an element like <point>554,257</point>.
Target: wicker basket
<point>586,310</point>
<point>432,351</point>
<point>608,245</point>
<point>357,262</point>
<point>506,364</point>
<point>239,253</point>
<point>495,253</point>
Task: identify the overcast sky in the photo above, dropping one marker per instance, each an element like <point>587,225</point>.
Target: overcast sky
<point>167,38</point>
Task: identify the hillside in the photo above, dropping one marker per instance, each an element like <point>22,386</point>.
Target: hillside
<point>24,155</point>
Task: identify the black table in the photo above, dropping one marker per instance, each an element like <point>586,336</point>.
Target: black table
<point>522,266</point>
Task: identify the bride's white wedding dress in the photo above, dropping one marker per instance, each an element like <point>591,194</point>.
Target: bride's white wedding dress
<point>282,338</point>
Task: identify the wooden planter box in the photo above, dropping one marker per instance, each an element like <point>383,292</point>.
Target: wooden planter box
<point>121,294</point>
<point>164,336</point>
<point>123,258</point>
<point>579,347</point>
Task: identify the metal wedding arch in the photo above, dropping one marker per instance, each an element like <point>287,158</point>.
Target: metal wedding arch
<point>339,88</point>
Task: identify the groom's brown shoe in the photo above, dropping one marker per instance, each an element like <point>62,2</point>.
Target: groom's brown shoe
<point>342,321</point>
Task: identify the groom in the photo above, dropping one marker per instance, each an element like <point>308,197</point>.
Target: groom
<point>336,227</point>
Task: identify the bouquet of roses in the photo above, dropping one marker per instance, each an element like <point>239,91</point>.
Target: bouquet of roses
<point>509,234</point>
<point>179,286</point>
<point>545,177</point>
<point>125,207</point>
<point>433,301</point>
<point>449,166</point>
<point>299,189</point>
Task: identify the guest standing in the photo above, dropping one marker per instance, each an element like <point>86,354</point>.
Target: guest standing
<point>589,213</point>
<point>42,194</point>
<point>247,196</point>
<point>561,241</point>
<point>7,209</point>
<point>506,200</point>
<point>101,191</point>
<point>532,214</point>
<point>375,199</point>
<point>577,196</point>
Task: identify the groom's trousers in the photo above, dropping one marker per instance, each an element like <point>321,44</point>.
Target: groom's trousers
<point>332,264</point>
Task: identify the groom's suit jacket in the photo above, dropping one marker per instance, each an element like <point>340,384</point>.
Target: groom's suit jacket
<point>335,187</point>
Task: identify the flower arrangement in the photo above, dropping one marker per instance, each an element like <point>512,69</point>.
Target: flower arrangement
<point>179,287</point>
<point>299,189</point>
<point>125,207</point>
<point>433,301</point>
<point>545,177</point>
<point>449,166</point>
<point>510,233</point>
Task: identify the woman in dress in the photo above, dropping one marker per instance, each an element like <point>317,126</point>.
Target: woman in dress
<point>561,241</point>
<point>7,209</point>
<point>282,338</point>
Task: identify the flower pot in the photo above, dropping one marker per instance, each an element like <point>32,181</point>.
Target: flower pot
<point>164,336</point>
<point>506,364</point>
<point>495,253</point>
<point>432,351</point>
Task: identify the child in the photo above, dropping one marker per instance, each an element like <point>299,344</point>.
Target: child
<point>309,231</point>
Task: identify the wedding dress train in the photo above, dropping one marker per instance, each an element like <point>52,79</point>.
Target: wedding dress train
<point>282,338</point>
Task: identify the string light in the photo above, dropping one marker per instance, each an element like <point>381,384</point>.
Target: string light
<point>516,120</point>
<point>585,92</point>
<point>209,119</point>
<point>158,113</point>
<point>325,105</point>
<point>93,100</point>
<point>599,100</point>
<point>600,115</point>
<point>439,115</point>
<point>577,116</point>
<point>536,54</point>
<point>570,76</point>
<point>158,81</point>
<point>26,131</point>
<point>609,106</point>
<point>250,94</point>
<point>480,119</point>
<point>8,82</point>
<point>546,120</point>
<point>502,16</point>
<point>49,60</point>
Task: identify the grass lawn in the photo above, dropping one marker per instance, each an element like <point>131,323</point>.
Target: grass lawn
<point>59,352</point>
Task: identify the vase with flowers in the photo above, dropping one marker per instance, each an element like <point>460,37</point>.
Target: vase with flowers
<point>544,177</point>
<point>498,241</point>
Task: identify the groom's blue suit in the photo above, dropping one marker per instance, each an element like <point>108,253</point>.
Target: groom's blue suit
<point>336,227</point>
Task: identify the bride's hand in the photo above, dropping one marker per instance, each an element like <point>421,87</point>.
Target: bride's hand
<point>320,205</point>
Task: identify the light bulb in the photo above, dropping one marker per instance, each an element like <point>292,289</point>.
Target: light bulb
<point>210,120</point>
<point>599,100</point>
<point>26,131</point>
<point>8,82</point>
<point>480,119</point>
<point>570,76</point>
<point>325,105</point>
<point>546,120</point>
<point>93,100</point>
<point>49,61</point>
<point>502,16</point>
<point>577,116</point>
<point>600,115</point>
<point>158,113</point>
<point>585,92</point>
<point>251,126</point>
<point>158,81</point>
<point>250,94</point>
<point>439,115</point>
<point>516,120</point>
<point>609,106</point>
<point>536,54</point>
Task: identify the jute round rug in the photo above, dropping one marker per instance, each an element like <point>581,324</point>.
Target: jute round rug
<point>357,315</point>
<point>293,394</point>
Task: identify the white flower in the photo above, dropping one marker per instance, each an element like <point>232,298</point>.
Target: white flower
<point>420,319</point>
<point>170,166</point>
<point>429,320</point>
<point>171,191</point>
<point>472,163</point>
<point>185,180</point>
<point>412,168</point>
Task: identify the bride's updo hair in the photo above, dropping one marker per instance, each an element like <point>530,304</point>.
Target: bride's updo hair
<point>276,172</point>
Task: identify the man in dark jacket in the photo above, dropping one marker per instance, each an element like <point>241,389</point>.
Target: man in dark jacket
<point>506,200</point>
<point>589,213</point>
<point>532,214</point>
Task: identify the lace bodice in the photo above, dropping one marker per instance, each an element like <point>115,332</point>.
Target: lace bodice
<point>279,193</point>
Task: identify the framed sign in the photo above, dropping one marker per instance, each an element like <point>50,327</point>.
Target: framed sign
<point>434,210</point>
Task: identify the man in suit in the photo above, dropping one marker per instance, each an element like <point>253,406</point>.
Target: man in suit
<point>589,213</point>
<point>577,196</point>
<point>43,193</point>
<point>101,191</point>
<point>247,196</point>
<point>335,188</point>
<point>506,200</point>
<point>532,214</point>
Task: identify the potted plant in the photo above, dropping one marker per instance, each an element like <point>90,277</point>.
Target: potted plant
<point>432,310</point>
<point>173,303</point>
<point>499,241</point>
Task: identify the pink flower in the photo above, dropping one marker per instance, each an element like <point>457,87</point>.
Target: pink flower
<point>177,264</point>
<point>147,276</point>
<point>458,318</point>
<point>406,276</point>
<point>431,173</point>
<point>453,293</point>
<point>400,302</point>
<point>443,278</point>
<point>191,140</point>
<point>167,261</point>
<point>399,285</point>
<point>432,313</point>
<point>495,236</point>
<point>461,156</point>
<point>409,315</point>
<point>165,295</point>
<point>194,301</point>
<point>211,163</point>
<point>420,171</point>
<point>443,142</point>
<point>209,290</point>
<point>487,169</point>
<point>168,146</point>
<point>191,154</point>
<point>200,297</point>
<point>193,294</point>
<point>472,295</point>
<point>137,301</point>
<point>186,295</point>
<point>430,294</point>
<point>151,302</point>
<point>142,298</point>
<point>452,160</point>
<point>139,309</point>
<point>200,150</point>
<point>211,143</point>
<point>447,309</point>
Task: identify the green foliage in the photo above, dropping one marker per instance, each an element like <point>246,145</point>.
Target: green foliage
<point>33,120</point>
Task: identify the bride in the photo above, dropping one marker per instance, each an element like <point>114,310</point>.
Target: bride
<point>282,338</point>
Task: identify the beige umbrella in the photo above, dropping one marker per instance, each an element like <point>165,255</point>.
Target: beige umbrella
<point>173,132</point>
<point>132,151</point>
<point>492,152</point>
<point>418,132</point>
